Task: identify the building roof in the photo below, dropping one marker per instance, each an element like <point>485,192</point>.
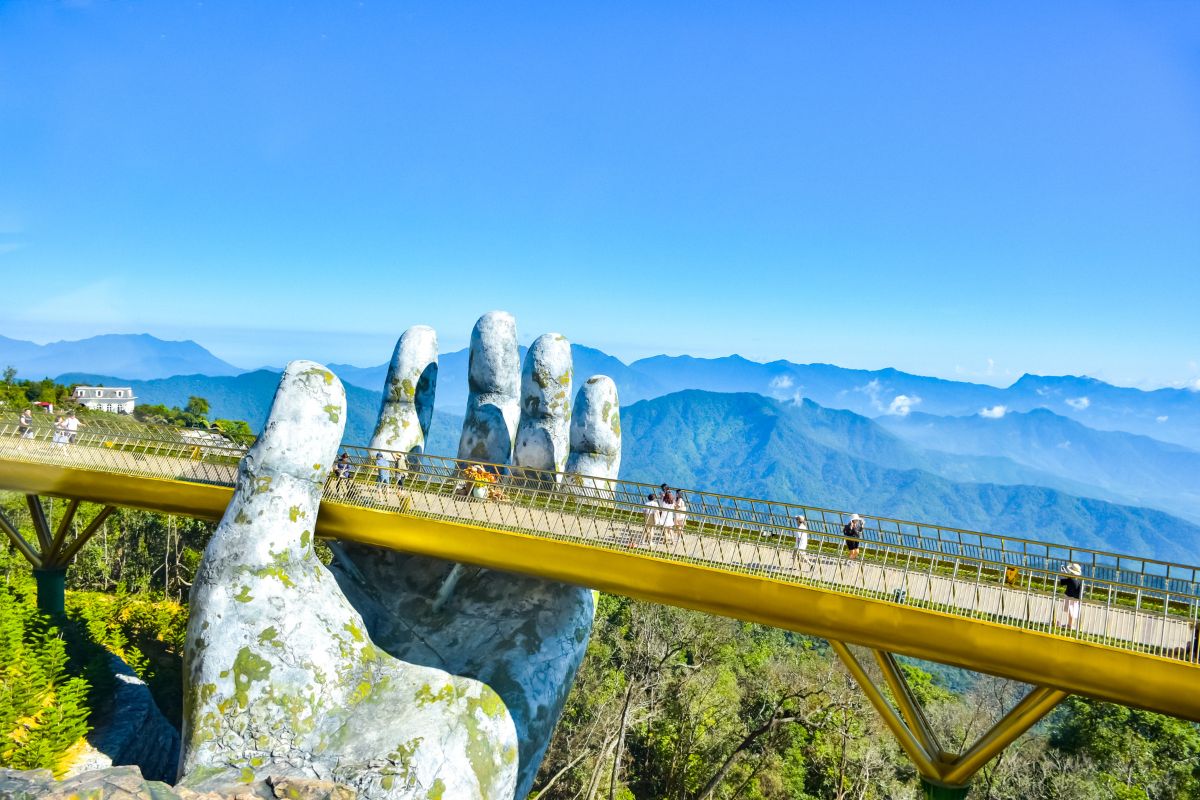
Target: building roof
<point>106,393</point>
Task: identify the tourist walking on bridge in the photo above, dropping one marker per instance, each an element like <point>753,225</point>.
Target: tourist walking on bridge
<point>72,425</point>
<point>680,514</point>
<point>666,517</point>
<point>383,463</point>
<point>800,548</point>
<point>1074,592</point>
<point>60,431</point>
<point>653,520</point>
<point>853,533</point>
<point>25,424</point>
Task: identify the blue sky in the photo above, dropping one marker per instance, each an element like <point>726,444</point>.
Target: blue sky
<point>952,189</point>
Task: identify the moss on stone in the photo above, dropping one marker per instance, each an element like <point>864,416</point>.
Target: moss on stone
<point>248,667</point>
<point>425,695</point>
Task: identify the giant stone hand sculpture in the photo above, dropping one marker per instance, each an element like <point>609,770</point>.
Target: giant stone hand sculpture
<point>524,637</point>
<point>283,678</point>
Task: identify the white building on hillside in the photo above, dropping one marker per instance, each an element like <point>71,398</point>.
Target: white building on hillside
<point>117,399</point>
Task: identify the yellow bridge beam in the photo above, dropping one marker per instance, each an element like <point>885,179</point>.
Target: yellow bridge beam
<point>1121,676</point>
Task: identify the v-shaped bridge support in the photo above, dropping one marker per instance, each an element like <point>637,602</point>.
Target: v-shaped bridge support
<point>944,776</point>
<point>53,553</point>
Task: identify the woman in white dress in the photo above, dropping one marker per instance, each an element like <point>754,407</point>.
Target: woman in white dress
<point>60,431</point>
<point>680,514</point>
<point>799,553</point>
<point>666,517</point>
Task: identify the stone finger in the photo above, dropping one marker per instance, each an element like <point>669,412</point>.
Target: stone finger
<point>406,410</point>
<point>542,433</point>
<point>493,403</point>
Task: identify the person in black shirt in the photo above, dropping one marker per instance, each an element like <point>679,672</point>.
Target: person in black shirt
<point>1074,591</point>
<point>852,530</point>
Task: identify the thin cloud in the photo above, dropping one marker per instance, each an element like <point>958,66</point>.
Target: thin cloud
<point>901,405</point>
<point>873,390</point>
<point>995,412</point>
<point>1163,418</point>
<point>1078,403</point>
<point>782,382</point>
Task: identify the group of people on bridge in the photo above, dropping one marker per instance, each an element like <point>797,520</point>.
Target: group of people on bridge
<point>666,513</point>
<point>66,428</point>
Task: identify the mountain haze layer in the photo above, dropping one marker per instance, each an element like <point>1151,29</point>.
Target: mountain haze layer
<point>1166,414</point>
<point>750,445</point>
<point>131,356</point>
<point>1142,470</point>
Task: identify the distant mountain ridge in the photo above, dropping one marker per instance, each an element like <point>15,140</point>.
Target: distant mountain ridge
<point>1143,470</point>
<point>1170,415</point>
<point>130,356</point>
<point>1166,414</point>
<point>754,446</point>
<point>749,444</point>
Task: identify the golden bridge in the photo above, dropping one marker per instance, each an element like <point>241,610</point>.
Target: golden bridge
<point>979,601</point>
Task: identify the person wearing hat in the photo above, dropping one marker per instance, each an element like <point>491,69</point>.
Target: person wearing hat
<point>1074,591</point>
<point>852,530</point>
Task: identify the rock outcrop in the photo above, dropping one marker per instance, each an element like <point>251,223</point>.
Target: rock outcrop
<point>127,783</point>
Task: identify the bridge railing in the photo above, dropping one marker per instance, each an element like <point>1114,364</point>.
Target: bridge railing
<point>1020,587</point>
<point>1005,579</point>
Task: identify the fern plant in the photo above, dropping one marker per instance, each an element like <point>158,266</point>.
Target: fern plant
<point>43,710</point>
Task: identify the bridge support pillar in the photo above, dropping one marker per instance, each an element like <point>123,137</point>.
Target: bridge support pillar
<point>944,776</point>
<point>51,590</point>
<point>54,551</point>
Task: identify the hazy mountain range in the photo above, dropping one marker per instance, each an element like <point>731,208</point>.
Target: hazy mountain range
<point>882,441</point>
<point>128,355</point>
<point>750,445</point>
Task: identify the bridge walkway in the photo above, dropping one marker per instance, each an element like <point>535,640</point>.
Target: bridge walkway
<point>927,591</point>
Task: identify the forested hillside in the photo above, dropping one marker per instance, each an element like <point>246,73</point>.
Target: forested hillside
<point>668,703</point>
<point>749,445</point>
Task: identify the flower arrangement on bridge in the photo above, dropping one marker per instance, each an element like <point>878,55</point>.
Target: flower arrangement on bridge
<point>482,479</point>
<point>479,475</point>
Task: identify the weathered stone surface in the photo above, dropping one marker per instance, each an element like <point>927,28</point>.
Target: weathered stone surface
<point>127,783</point>
<point>282,676</point>
<point>407,407</point>
<point>493,379</point>
<point>133,732</point>
<point>114,783</point>
<point>524,637</point>
<point>596,434</point>
<point>542,442</point>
